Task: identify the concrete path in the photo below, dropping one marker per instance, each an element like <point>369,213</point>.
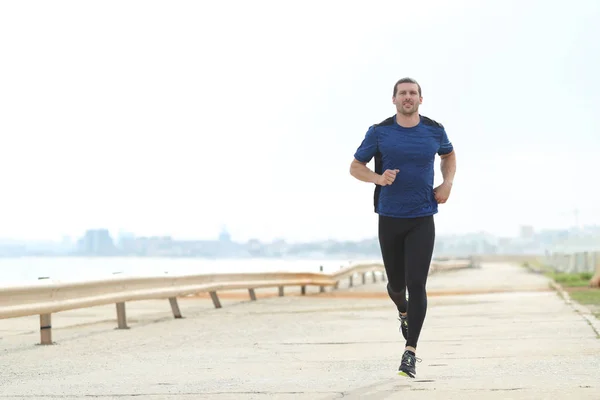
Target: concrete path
<point>522,341</point>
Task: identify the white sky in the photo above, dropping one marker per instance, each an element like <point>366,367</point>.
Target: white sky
<point>179,117</point>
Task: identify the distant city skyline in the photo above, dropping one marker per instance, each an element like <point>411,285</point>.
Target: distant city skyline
<point>224,232</point>
<point>100,243</point>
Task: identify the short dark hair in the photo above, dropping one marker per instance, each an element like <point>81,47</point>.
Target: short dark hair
<point>407,80</point>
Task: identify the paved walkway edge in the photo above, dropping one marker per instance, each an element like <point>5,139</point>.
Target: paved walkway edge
<point>581,309</point>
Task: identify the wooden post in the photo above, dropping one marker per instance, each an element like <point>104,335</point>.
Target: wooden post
<point>252,294</point>
<point>337,285</point>
<point>364,278</point>
<point>121,316</point>
<point>280,291</point>
<point>351,281</point>
<point>303,289</point>
<point>175,307</point>
<point>322,289</point>
<point>215,299</point>
<point>46,329</point>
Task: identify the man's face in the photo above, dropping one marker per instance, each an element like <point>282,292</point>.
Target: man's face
<point>407,99</point>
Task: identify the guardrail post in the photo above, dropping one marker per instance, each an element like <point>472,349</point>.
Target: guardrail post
<point>280,291</point>
<point>215,299</point>
<point>46,329</point>
<point>121,316</point>
<point>175,307</point>
<point>303,289</point>
<point>252,294</point>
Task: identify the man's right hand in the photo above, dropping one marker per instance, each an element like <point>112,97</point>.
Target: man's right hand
<point>388,177</point>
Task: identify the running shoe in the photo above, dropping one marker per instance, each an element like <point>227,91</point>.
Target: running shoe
<point>407,367</point>
<point>404,325</point>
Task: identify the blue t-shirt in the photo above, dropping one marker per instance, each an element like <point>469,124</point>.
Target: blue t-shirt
<point>412,151</point>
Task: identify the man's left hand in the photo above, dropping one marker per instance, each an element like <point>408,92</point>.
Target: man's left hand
<point>442,192</point>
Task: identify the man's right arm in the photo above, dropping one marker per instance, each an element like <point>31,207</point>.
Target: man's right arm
<point>360,171</point>
<point>365,152</point>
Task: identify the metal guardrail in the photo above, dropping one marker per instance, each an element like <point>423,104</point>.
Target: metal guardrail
<point>45,298</point>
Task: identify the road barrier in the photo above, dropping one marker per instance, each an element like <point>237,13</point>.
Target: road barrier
<point>45,298</point>
<point>585,261</point>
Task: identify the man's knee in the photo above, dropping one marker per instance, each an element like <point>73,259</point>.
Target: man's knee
<point>395,288</point>
<point>416,288</point>
<point>398,295</point>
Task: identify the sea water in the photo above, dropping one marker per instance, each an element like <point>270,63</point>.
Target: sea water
<point>24,270</point>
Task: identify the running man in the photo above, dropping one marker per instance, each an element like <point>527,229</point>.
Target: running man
<point>404,147</point>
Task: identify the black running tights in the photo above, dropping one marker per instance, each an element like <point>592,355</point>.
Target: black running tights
<point>406,248</point>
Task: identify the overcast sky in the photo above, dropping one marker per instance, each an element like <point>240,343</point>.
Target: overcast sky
<point>181,117</point>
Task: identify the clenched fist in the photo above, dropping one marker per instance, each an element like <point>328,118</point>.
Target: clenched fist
<point>388,177</point>
<point>442,192</point>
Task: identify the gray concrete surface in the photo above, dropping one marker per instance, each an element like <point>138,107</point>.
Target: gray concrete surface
<point>521,341</point>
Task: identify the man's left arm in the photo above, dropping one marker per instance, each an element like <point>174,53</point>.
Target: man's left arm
<point>448,166</point>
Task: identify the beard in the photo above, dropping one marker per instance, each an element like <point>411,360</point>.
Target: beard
<point>409,110</point>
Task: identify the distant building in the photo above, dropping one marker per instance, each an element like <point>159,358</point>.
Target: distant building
<point>124,238</point>
<point>96,242</point>
<point>224,236</point>
<point>527,232</point>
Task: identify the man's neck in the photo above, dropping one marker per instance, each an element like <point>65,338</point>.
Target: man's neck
<point>408,121</point>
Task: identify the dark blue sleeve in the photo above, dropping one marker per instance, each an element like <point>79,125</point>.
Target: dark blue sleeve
<point>445,144</point>
<point>368,148</point>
